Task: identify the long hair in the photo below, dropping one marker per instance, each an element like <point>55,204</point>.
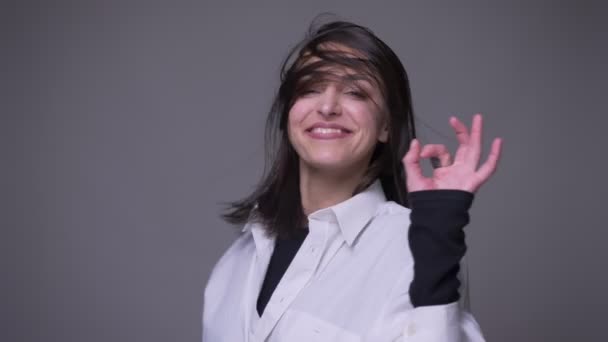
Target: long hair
<point>276,200</point>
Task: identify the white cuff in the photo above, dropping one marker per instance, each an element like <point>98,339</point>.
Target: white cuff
<point>434,323</point>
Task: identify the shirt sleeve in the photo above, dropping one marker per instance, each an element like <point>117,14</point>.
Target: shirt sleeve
<point>441,323</point>
<point>437,243</point>
<point>400,321</point>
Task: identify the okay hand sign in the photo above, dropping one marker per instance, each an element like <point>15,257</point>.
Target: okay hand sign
<point>461,174</point>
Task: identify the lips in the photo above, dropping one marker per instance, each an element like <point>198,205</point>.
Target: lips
<point>325,126</point>
<point>328,131</point>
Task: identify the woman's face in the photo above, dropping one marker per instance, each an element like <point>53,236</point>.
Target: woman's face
<point>335,125</point>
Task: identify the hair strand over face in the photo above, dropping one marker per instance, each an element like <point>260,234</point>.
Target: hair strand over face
<point>337,45</point>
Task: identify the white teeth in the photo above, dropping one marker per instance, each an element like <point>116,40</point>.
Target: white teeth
<point>322,130</point>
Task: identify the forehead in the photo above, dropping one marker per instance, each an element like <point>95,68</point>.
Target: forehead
<point>336,61</point>
<point>329,52</point>
<point>334,48</point>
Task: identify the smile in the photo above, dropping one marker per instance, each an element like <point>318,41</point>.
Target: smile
<point>327,133</point>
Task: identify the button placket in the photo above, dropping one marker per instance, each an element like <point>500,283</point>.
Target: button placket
<point>299,273</point>
<point>318,243</point>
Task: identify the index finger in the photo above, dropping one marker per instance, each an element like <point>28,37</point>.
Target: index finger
<point>462,132</point>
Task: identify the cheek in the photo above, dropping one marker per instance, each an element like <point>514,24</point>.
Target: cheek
<point>294,118</point>
<point>296,113</point>
<point>368,119</point>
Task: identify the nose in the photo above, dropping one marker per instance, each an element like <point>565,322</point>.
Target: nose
<point>329,103</point>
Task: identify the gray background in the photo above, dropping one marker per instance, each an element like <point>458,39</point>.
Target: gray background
<point>124,124</point>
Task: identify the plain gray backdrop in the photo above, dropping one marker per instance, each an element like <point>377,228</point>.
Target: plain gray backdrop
<point>124,124</point>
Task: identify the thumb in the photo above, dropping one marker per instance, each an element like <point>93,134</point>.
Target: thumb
<point>411,164</point>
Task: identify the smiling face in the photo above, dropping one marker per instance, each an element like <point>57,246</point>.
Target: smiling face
<point>336,122</point>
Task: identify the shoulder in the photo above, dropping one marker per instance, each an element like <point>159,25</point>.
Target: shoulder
<point>241,247</point>
<point>392,214</point>
<point>224,288</point>
<point>387,234</point>
<point>233,261</point>
<point>381,254</point>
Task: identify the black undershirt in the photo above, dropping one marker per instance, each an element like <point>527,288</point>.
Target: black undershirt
<point>285,250</point>
<point>436,239</point>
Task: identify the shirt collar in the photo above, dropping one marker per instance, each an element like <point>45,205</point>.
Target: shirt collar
<point>353,214</point>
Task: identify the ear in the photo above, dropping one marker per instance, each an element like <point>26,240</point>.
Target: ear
<point>383,137</point>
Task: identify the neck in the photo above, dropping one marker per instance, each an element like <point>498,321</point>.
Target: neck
<point>321,189</point>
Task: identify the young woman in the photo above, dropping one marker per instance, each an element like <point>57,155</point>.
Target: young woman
<point>345,239</point>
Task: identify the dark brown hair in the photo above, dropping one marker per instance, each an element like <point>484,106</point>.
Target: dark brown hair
<point>276,201</point>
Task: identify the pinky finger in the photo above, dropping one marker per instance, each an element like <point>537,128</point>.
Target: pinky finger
<point>487,169</point>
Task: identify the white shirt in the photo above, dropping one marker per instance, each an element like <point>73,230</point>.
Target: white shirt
<point>348,282</point>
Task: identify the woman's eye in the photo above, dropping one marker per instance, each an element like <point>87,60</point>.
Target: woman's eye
<point>356,94</point>
<point>309,91</point>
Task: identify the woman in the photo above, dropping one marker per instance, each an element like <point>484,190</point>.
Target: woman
<point>345,239</point>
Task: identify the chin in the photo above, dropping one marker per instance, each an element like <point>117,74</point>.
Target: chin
<point>328,164</point>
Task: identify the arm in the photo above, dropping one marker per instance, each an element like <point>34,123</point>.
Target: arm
<point>436,235</point>
<point>437,242</point>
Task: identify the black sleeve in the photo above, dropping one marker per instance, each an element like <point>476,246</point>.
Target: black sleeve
<point>437,242</point>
